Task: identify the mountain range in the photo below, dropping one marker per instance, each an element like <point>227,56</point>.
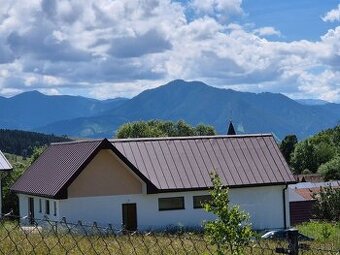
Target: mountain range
<point>194,102</point>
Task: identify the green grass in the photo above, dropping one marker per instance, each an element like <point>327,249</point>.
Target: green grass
<point>16,240</point>
<point>326,234</point>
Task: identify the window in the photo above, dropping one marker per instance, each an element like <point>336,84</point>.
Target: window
<point>54,208</point>
<point>199,201</point>
<point>47,207</point>
<point>40,206</point>
<point>171,203</point>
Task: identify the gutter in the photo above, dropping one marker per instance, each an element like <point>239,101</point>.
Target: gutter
<point>284,206</point>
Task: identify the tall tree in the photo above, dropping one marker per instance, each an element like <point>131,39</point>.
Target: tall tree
<point>331,169</point>
<point>304,157</point>
<point>287,146</point>
<point>158,128</point>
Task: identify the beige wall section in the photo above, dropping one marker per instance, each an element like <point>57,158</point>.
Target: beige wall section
<point>105,175</point>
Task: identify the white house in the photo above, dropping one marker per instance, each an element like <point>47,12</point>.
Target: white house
<point>156,182</point>
<point>5,166</point>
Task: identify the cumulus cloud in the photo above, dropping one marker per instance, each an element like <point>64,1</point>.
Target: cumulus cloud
<point>332,15</point>
<point>105,48</point>
<point>265,31</point>
<point>220,6</point>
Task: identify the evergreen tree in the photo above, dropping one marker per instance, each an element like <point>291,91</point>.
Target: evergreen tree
<point>287,146</point>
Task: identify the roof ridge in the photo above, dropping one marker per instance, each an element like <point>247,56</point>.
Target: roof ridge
<point>163,138</point>
<point>187,137</point>
<point>78,141</point>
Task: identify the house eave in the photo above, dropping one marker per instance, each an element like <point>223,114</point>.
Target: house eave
<point>231,187</point>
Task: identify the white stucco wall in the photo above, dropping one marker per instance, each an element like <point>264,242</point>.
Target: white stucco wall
<point>23,208</point>
<point>264,204</point>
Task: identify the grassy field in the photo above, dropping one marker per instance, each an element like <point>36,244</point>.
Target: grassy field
<point>17,240</point>
<point>326,235</point>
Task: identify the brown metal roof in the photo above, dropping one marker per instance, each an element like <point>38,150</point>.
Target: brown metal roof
<point>55,167</point>
<point>165,164</point>
<point>185,163</point>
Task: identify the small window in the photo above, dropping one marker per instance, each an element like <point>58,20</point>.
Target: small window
<point>54,208</point>
<point>171,203</point>
<point>40,206</point>
<point>199,201</point>
<point>47,207</point>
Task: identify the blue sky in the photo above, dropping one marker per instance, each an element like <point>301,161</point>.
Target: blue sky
<point>105,49</point>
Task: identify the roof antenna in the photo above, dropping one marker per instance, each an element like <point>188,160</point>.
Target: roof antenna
<point>231,129</point>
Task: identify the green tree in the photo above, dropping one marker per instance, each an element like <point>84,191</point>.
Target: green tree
<point>202,129</point>
<point>325,152</point>
<point>327,205</point>
<point>231,230</point>
<point>158,128</point>
<point>304,157</point>
<point>23,142</point>
<point>331,169</point>
<point>287,146</point>
<point>336,137</point>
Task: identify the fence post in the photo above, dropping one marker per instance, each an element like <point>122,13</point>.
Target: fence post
<point>293,243</point>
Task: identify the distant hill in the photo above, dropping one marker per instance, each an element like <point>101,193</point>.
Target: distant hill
<point>196,102</point>
<point>30,110</point>
<point>22,142</point>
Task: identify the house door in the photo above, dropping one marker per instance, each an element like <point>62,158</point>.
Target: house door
<point>31,210</point>
<point>129,216</point>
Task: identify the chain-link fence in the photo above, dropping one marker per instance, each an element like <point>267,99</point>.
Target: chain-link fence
<point>60,237</point>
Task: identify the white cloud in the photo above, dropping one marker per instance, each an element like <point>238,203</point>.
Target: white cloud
<point>265,31</point>
<point>332,15</point>
<point>325,85</point>
<point>222,9</point>
<point>107,48</point>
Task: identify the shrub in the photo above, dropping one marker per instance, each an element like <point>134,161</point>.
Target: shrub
<point>231,230</point>
<point>327,205</point>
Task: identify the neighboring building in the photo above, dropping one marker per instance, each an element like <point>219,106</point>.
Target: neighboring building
<point>5,166</point>
<point>301,199</point>
<point>309,178</point>
<point>156,182</point>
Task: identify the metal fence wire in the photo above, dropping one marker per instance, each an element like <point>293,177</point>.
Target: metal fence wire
<point>60,237</point>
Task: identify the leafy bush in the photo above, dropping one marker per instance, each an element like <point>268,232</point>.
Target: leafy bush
<point>327,205</point>
<point>331,169</point>
<point>321,231</point>
<point>231,230</point>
